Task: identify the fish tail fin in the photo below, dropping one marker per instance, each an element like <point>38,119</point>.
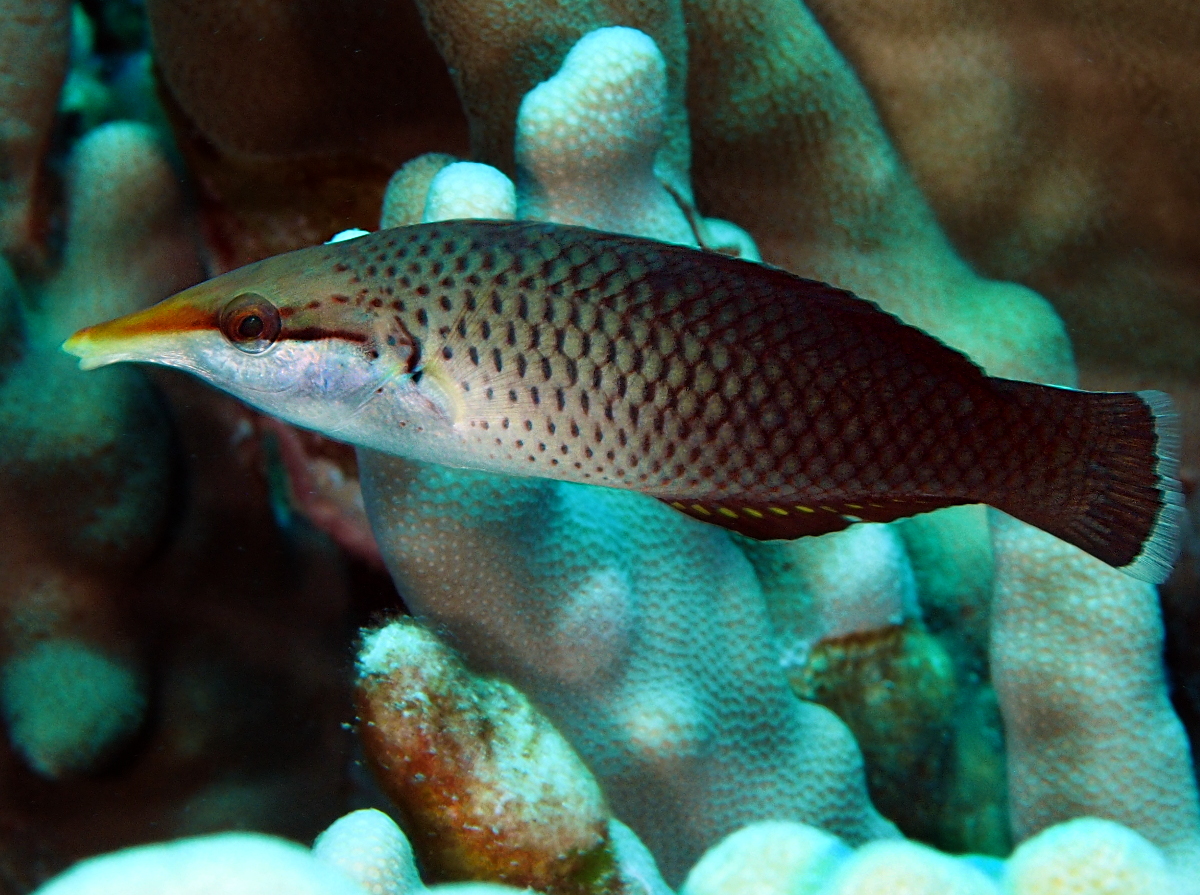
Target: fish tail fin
<point>1128,508</point>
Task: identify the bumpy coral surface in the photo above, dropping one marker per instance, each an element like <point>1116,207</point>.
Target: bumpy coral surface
<point>650,641</point>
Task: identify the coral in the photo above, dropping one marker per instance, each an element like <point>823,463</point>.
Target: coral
<point>665,724</point>
<point>85,464</point>
<point>232,863</point>
<point>368,847</point>
<point>800,859</point>
<point>272,172</point>
<point>34,42</point>
<point>1078,671</point>
<point>648,639</point>
<point>1090,857</point>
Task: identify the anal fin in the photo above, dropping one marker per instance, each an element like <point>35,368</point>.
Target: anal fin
<point>786,521</point>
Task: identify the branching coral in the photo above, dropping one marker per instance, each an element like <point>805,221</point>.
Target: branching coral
<point>646,637</point>
<point>86,464</point>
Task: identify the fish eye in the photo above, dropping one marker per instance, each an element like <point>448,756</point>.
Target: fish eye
<point>251,323</point>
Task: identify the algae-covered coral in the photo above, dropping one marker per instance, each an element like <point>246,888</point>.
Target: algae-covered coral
<point>660,648</point>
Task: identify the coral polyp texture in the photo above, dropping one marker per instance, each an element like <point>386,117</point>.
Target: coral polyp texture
<point>593,690</point>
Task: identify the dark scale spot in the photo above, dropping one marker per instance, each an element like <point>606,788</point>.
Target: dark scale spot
<point>622,386</point>
<point>554,461</point>
<point>286,312</point>
<point>423,289</point>
<point>505,422</point>
<point>391,270</point>
<point>462,329</point>
<point>651,390</point>
<point>638,360</point>
<point>547,369</point>
<point>488,261</point>
<point>646,444</point>
<point>497,360</point>
<point>597,378</point>
<point>523,303</point>
<point>541,446</point>
<point>372,270</point>
<point>423,249</point>
<point>610,356</point>
<point>535,337</point>
<point>436,268</point>
<point>520,442</point>
<point>528,425</point>
<point>422,317</point>
<point>341,299</point>
<point>633,415</point>
<point>534,395</point>
<point>656,467</point>
<point>443,331</point>
<point>381,257</point>
<point>485,424</point>
<point>560,339</point>
<point>598,434</point>
<point>550,427</point>
<point>341,267</point>
<point>445,302</point>
<point>560,398</point>
<point>313,305</point>
<point>572,372</point>
<point>377,302</point>
<point>460,263</point>
<point>469,298</point>
<point>527,283</point>
<point>397,306</point>
<point>588,452</point>
<point>499,441</point>
<point>620,472</point>
<point>608,412</point>
<point>584,401</point>
<point>373,354</point>
<point>585,343</point>
<point>406,281</point>
<point>512,395</point>
<point>485,329</point>
<point>564,449</point>
<point>474,279</point>
<point>579,466</point>
<point>446,282</point>
<point>574,429</point>
<point>622,438</point>
<point>389,290</point>
<point>521,365</point>
<point>447,352</point>
<point>491,393</point>
<point>611,455</point>
<point>473,353</point>
<point>501,279</point>
<point>449,247</point>
<point>532,459</point>
<point>510,335</point>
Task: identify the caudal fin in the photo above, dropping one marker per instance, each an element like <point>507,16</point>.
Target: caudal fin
<point>1130,510</point>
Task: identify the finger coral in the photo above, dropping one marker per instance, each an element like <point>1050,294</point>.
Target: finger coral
<point>919,153</point>
<point>85,463</point>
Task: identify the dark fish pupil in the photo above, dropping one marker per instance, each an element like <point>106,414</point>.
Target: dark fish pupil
<point>251,327</point>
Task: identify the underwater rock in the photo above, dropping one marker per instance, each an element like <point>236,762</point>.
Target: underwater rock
<point>490,789</point>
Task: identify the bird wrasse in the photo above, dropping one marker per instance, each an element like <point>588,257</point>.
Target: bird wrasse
<point>735,392</point>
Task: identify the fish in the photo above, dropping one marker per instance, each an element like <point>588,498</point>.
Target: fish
<point>735,392</point>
